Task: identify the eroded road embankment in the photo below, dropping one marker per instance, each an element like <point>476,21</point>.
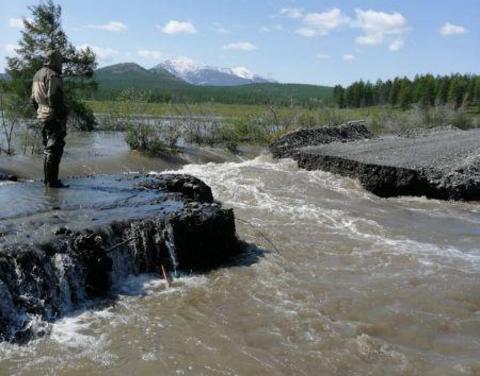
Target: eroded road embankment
<point>61,248</point>
<point>441,163</point>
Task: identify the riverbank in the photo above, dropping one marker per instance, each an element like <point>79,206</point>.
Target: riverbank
<point>439,163</point>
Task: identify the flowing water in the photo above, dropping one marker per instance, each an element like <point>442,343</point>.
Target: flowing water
<point>348,284</point>
<point>89,153</point>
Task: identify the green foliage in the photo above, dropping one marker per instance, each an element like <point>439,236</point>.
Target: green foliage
<point>458,90</point>
<point>9,120</point>
<point>425,91</point>
<point>144,137</point>
<point>405,94</point>
<point>251,130</point>
<point>476,93</point>
<point>44,32</point>
<point>339,96</point>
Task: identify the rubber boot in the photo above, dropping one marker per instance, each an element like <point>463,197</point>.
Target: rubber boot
<point>52,176</point>
<point>45,173</point>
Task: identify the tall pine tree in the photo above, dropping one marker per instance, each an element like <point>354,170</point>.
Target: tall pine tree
<point>40,34</point>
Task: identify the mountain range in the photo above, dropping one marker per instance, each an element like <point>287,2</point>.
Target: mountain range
<point>125,75</point>
<point>166,86</point>
<point>195,74</point>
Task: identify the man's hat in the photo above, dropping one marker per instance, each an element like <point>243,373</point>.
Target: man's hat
<point>52,56</point>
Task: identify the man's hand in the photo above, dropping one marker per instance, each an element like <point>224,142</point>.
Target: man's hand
<point>34,103</point>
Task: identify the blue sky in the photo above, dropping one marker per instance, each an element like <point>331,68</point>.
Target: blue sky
<point>319,42</point>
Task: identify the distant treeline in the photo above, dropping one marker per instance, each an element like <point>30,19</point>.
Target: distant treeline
<point>253,94</point>
<point>425,90</point>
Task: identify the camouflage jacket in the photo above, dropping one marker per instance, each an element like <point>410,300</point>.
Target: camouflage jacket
<point>47,94</point>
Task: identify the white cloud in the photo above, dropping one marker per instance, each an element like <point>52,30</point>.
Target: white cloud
<point>451,29</point>
<point>292,12</point>
<point>17,23</point>
<point>321,23</point>
<point>219,28</point>
<point>10,48</point>
<point>104,55</point>
<point>178,27</point>
<point>150,54</point>
<point>113,26</point>
<point>267,29</point>
<point>240,46</point>
<point>306,32</point>
<point>380,28</point>
<point>323,56</point>
<point>348,57</point>
<point>396,45</point>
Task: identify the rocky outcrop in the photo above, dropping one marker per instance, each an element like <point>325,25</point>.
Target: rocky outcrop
<point>166,221</point>
<point>442,164</point>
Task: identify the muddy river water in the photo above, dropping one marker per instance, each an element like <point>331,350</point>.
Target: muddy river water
<point>347,284</point>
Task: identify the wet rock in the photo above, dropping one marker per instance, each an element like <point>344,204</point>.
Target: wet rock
<point>175,225</point>
<point>442,164</point>
<point>202,234</point>
<point>62,230</point>
<point>189,186</point>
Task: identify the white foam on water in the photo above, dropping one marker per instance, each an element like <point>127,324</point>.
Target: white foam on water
<point>279,187</point>
<point>78,331</point>
<point>81,334</point>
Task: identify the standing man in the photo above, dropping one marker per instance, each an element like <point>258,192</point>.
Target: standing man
<point>47,97</point>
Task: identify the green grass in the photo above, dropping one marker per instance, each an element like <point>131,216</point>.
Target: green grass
<point>301,116</point>
<point>166,109</point>
<point>239,111</point>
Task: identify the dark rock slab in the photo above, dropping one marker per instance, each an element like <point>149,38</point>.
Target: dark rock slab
<point>61,248</point>
<point>287,145</point>
<point>442,164</point>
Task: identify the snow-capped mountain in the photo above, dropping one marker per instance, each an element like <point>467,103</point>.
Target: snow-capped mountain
<point>197,74</point>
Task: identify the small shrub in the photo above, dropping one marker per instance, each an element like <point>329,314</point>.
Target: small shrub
<point>171,132</point>
<point>144,137</point>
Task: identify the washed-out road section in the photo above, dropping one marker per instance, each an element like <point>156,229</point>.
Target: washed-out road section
<point>442,163</point>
